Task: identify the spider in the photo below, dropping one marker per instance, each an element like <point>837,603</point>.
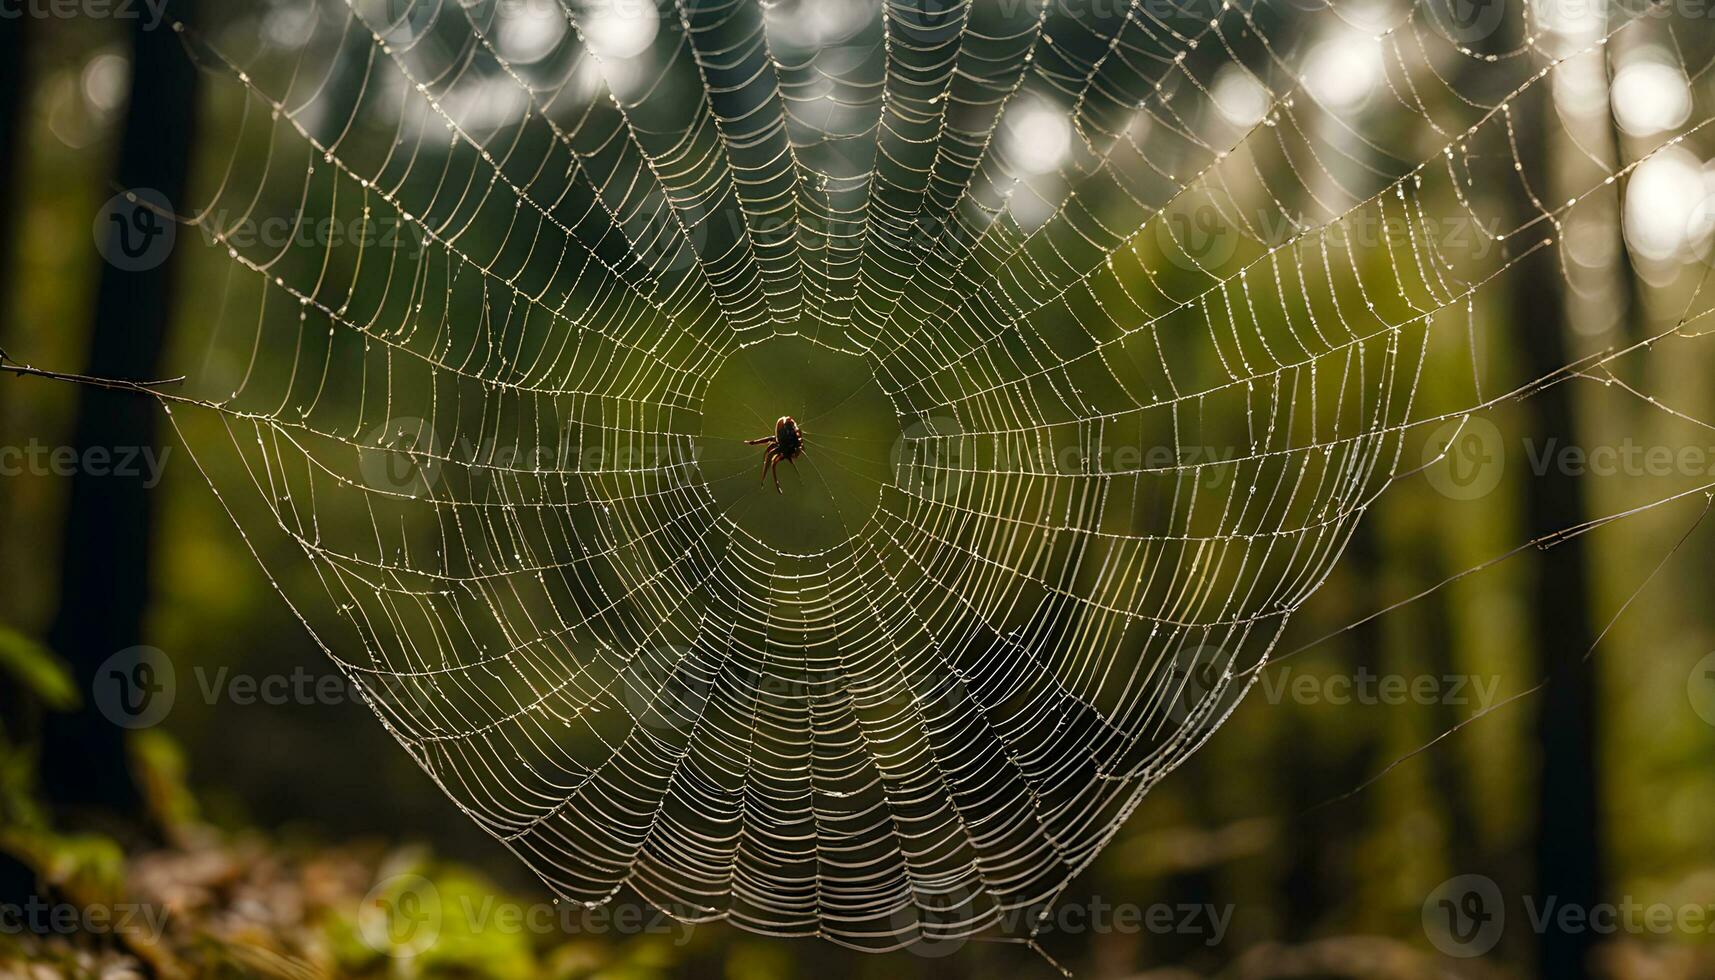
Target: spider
<point>787,443</point>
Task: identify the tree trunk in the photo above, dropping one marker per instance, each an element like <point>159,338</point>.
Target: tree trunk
<point>109,531</point>
<point>1321,882</point>
<point>14,102</point>
<point>15,881</point>
<point>1466,852</point>
<point>1568,833</point>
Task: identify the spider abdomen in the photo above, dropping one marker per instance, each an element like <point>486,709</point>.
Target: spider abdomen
<point>787,438</point>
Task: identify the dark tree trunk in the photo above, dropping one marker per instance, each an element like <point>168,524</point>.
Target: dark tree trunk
<point>1568,831</point>
<point>14,103</point>
<point>1465,850</point>
<point>14,97</point>
<point>1320,882</point>
<point>15,881</point>
<point>108,537</point>
<point>1198,885</point>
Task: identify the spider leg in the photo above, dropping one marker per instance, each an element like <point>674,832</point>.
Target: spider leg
<point>777,459</point>
<point>758,442</point>
<point>767,457</point>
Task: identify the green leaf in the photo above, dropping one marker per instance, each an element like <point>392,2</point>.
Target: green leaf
<point>88,868</point>
<point>36,667</point>
<point>162,771</point>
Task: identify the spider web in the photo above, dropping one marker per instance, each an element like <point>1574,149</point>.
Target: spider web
<point>1150,297</point>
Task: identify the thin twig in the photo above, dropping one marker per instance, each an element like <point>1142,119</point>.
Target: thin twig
<point>8,363</point>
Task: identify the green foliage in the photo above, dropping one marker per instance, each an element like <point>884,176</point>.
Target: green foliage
<point>757,961</point>
<point>37,679</point>
<point>88,868</point>
<point>42,675</point>
<point>455,939</point>
<point>161,771</point>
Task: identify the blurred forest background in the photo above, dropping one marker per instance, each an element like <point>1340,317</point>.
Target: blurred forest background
<point>266,827</point>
